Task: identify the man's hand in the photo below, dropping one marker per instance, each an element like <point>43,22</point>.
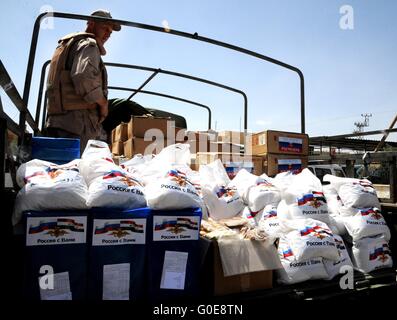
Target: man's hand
<point>103,110</point>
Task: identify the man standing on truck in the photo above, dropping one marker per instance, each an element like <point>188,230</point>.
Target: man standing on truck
<point>77,82</point>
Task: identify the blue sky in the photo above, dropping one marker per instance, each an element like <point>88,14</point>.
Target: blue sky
<point>347,72</point>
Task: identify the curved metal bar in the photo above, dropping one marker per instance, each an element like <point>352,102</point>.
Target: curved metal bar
<point>128,66</point>
<point>38,107</point>
<point>170,97</point>
<point>194,36</point>
<point>144,84</point>
<point>186,76</point>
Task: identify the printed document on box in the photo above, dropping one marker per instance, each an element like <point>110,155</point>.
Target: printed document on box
<point>174,270</point>
<point>116,282</point>
<point>61,289</point>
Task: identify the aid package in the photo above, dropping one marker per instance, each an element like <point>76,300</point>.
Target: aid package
<point>371,253</point>
<point>295,271</point>
<point>354,193</point>
<point>305,198</point>
<point>311,238</point>
<point>270,223</point>
<point>167,178</point>
<point>116,189</point>
<point>256,192</point>
<point>334,202</point>
<point>366,222</point>
<point>47,186</point>
<point>219,194</point>
<point>334,267</point>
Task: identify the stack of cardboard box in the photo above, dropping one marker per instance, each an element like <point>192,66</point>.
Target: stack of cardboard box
<point>229,149</point>
<point>232,162</point>
<point>145,135</point>
<point>281,151</point>
<point>119,136</point>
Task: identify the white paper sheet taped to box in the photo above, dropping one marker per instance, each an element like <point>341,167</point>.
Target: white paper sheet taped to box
<point>61,289</point>
<point>176,228</point>
<point>111,232</point>
<point>174,270</point>
<point>116,281</point>
<point>64,230</point>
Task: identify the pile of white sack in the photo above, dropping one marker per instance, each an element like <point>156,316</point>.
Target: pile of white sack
<point>310,246</point>
<point>356,204</point>
<point>162,182</point>
<point>308,219</point>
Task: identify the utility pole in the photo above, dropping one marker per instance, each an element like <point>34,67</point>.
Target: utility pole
<point>361,125</point>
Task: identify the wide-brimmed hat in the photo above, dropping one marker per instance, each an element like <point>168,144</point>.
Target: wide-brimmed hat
<point>106,14</point>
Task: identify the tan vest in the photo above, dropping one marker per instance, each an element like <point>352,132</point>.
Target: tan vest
<point>60,90</point>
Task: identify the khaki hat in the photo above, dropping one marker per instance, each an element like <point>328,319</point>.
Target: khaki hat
<point>106,14</point>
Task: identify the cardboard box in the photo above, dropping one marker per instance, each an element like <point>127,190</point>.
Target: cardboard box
<point>198,146</point>
<point>231,137</point>
<point>140,146</point>
<point>180,134</point>
<point>113,136</point>
<point>224,147</point>
<point>280,142</point>
<point>214,281</point>
<point>138,126</point>
<point>276,163</point>
<point>212,134</point>
<point>232,162</point>
<point>118,148</point>
<point>121,132</point>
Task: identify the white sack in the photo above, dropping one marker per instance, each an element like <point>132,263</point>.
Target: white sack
<point>311,238</point>
<point>243,181</point>
<point>137,164</point>
<point>151,168</point>
<point>92,168</point>
<point>358,193</point>
<point>283,211</point>
<point>256,192</point>
<point>334,202</point>
<point>372,253</point>
<point>294,271</point>
<point>116,189</point>
<point>222,200</point>
<point>367,222</point>
<point>283,180</point>
<point>172,191</point>
<point>253,217</point>
<point>333,267</point>
<point>96,149</point>
<point>337,224</point>
<point>270,223</point>
<point>262,194</point>
<point>305,197</point>
<point>48,186</point>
